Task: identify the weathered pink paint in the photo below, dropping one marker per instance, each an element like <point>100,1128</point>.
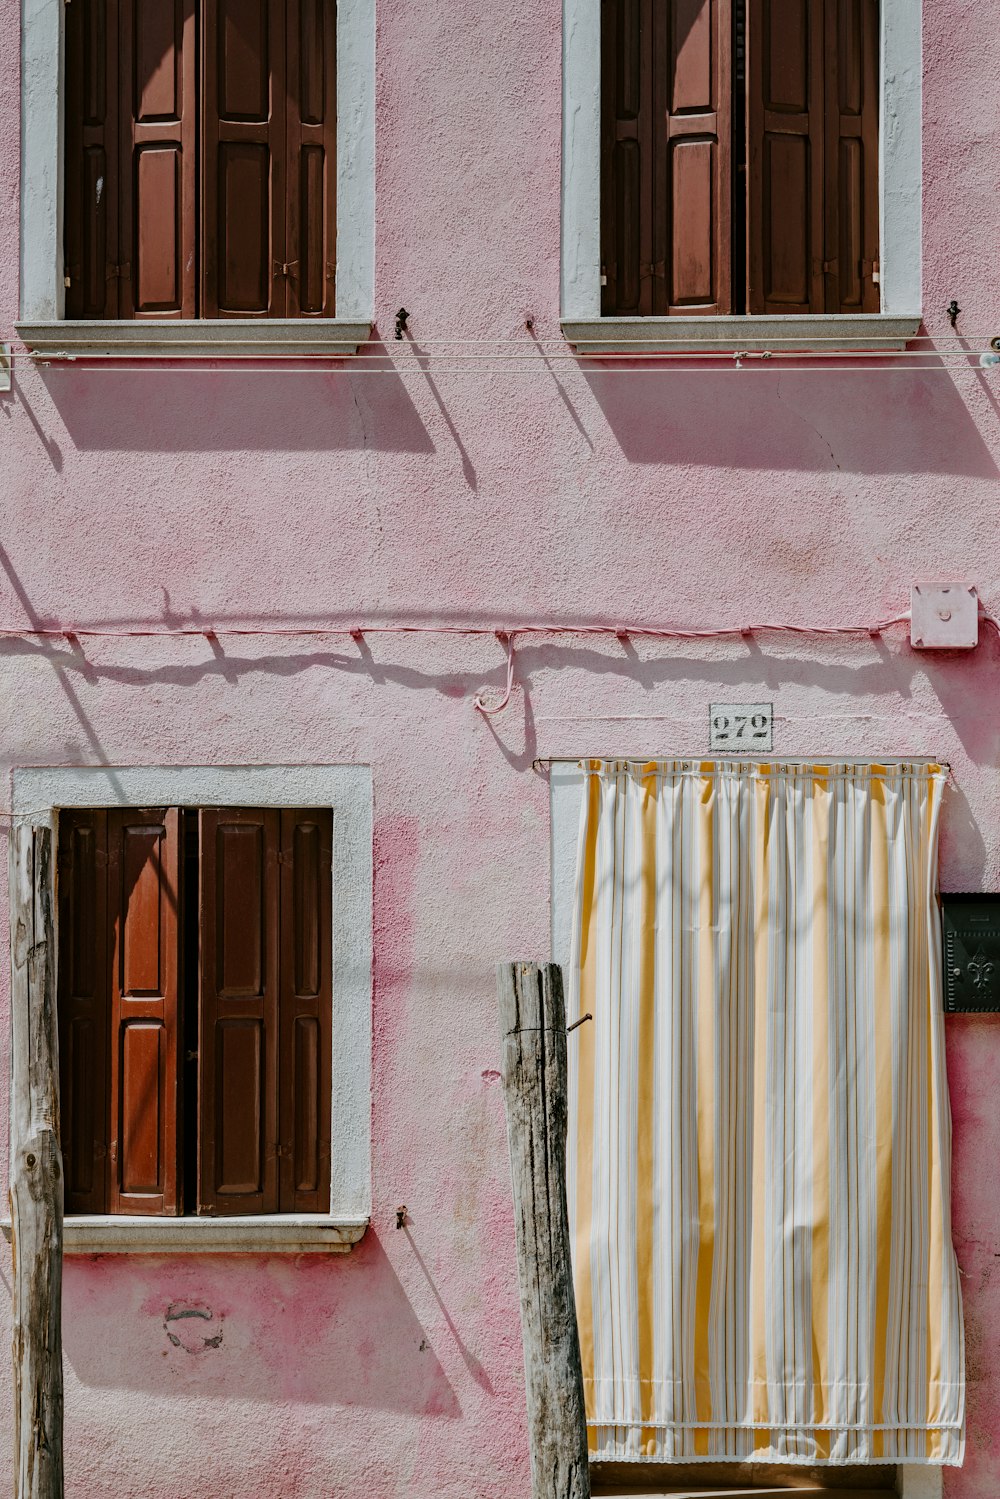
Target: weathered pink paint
<point>562,494</point>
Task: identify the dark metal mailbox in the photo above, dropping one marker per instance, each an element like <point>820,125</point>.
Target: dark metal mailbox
<point>971,954</point>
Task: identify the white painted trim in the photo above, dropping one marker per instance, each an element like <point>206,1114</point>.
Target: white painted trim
<point>565,797</point>
<point>292,1233</point>
<point>356,159</point>
<point>900,156</point>
<point>899,152</point>
<point>192,338</point>
<point>41,243</point>
<point>811,333</point>
<point>43,296</point>
<point>39,793</point>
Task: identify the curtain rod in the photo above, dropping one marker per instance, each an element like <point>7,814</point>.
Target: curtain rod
<point>546,761</point>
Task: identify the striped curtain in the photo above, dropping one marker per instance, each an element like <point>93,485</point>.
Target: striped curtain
<point>759,1152</point>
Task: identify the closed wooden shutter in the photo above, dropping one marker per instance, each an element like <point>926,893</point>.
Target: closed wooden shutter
<point>852,111</point>
<point>83,1007</point>
<point>311,158</point>
<point>144,901</point>
<point>91,165</point>
<point>158,169</point>
<point>238,1050</point>
<point>305,1010</point>
<point>785,106</point>
<point>812,131</point>
<point>666,159</point>
<point>243,200</point>
<point>131,159</point>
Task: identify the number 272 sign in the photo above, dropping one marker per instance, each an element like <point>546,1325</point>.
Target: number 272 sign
<point>741,728</point>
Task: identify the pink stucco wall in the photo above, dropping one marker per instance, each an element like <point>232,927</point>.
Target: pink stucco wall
<point>562,495</point>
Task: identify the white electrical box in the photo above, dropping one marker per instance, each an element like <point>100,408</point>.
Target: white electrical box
<point>944,616</point>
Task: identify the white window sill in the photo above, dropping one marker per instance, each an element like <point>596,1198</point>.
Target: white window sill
<point>873,332</point>
<point>194,338</point>
<point>300,1233</point>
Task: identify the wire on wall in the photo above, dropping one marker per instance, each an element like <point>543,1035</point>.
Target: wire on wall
<point>506,635</point>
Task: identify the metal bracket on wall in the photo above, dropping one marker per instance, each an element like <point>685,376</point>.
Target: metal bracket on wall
<point>4,366</point>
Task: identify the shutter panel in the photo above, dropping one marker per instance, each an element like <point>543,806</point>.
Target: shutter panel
<point>852,110</point>
<point>92,167</point>
<point>305,1011</point>
<point>144,899</point>
<point>83,1007</point>
<point>666,156</point>
<point>786,209</point>
<point>311,158</point>
<point>158,158</point>
<point>244,106</point>
<point>238,1050</point>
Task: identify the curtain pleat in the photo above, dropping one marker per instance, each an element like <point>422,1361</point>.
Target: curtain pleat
<point>759,1147</point>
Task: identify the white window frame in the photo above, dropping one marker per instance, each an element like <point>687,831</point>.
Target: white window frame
<point>900,169</point>
<point>566,787</point>
<point>38,796</point>
<point>43,326</point>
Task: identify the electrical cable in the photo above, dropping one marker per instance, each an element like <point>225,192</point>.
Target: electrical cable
<point>506,635</point>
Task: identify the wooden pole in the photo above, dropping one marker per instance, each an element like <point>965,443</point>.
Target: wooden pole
<point>533,1026</point>
<point>36,1181</point>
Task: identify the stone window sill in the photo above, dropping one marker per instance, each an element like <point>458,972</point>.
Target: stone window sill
<point>300,1233</point>
<point>875,332</point>
<point>195,338</point>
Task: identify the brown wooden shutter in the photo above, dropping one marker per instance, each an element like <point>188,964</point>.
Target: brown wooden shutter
<point>305,1011</point>
<point>238,1050</point>
<point>83,1008</point>
<point>311,158</point>
<point>243,126</point>
<point>144,899</point>
<point>158,158</point>
<point>852,111</point>
<point>785,147</point>
<point>812,134</point>
<point>91,165</point>
<point>131,106</point>
<point>666,159</point>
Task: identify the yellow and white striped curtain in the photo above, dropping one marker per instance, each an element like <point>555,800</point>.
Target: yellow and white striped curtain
<point>759,1148</point>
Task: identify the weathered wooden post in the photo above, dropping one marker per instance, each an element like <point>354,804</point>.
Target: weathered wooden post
<point>533,1026</point>
<point>36,1175</point>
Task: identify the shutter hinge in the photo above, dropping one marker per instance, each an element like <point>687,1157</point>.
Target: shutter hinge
<point>113,1150</point>
<point>67,280</point>
<point>285,268</point>
<point>284,856</point>
<point>119,272</point>
<point>831,267</point>
<point>654,268</point>
<point>870,268</point>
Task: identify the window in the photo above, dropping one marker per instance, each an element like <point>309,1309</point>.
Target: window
<point>195,1010</point>
<point>739,157</point>
<point>732,164</point>
<point>208,181</point>
<point>200,158</point>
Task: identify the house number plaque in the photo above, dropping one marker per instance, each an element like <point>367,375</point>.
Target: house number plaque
<point>741,728</point>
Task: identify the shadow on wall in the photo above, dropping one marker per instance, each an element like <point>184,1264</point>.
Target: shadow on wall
<point>867,421</point>
<point>265,409</point>
<point>332,1330</point>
